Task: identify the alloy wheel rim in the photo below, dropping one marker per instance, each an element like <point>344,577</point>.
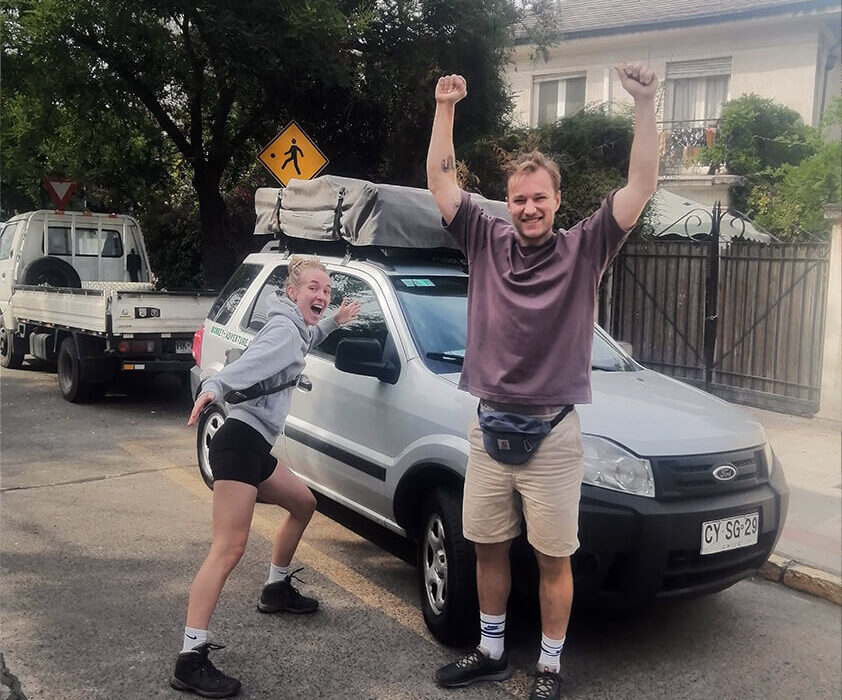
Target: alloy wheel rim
<point>435,564</point>
<point>212,424</point>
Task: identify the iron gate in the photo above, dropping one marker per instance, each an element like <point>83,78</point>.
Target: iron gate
<point>742,319</point>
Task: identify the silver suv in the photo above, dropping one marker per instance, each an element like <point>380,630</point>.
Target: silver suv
<point>682,494</point>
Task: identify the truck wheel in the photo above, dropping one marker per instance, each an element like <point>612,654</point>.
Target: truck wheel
<point>69,376</point>
<point>447,571</point>
<point>51,272</point>
<point>11,356</point>
<point>210,421</point>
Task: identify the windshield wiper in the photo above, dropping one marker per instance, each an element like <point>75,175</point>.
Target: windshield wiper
<point>446,357</point>
<point>606,368</point>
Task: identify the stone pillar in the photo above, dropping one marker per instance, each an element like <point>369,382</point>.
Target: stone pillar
<point>831,396</point>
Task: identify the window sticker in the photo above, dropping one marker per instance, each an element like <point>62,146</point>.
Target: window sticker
<point>417,282</point>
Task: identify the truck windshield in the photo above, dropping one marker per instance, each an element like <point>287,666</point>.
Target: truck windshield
<point>436,310</point>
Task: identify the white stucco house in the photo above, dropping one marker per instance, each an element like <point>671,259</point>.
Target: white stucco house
<point>704,51</point>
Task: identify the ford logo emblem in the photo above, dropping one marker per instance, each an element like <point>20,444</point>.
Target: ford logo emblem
<point>724,472</point>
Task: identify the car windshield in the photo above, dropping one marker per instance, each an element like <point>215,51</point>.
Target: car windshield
<point>436,310</point>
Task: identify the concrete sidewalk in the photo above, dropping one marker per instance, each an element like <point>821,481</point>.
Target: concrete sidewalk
<point>809,551</point>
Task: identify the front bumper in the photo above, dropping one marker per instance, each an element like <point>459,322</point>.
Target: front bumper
<point>634,550</point>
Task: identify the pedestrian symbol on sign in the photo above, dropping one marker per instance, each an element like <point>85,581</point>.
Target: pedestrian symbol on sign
<point>293,156</point>
<point>292,148</point>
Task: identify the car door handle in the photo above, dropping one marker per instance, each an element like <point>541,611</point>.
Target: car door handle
<point>304,383</point>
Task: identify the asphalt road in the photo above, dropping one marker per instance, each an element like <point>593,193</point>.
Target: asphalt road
<point>104,520</point>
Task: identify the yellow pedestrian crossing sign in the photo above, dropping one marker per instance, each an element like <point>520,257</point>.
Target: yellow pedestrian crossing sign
<point>292,155</point>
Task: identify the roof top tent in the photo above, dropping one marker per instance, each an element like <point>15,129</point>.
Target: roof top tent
<point>358,213</point>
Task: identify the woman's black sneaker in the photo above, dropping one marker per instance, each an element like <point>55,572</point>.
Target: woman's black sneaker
<point>474,667</point>
<point>194,672</point>
<point>547,686</point>
<point>282,596</point>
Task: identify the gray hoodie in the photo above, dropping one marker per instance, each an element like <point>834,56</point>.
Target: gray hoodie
<point>275,356</point>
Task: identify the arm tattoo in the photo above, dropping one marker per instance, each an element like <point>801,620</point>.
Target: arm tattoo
<point>447,164</point>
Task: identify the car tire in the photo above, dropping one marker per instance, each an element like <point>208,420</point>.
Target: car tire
<point>11,354</point>
<point>69,370</point>
<point>210,420</point>
<point>51,272</point>
<point>447,571</point>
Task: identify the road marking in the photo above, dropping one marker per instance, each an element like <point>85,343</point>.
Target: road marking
<point>407,616</point>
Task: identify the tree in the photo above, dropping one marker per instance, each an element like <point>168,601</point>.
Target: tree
<point>205,85</point>
<point>789,201</point>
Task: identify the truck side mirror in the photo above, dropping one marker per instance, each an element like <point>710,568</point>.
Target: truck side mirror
<point>364,356</point>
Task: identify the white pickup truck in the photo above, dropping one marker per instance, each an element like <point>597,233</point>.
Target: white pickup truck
<point>76,292</point>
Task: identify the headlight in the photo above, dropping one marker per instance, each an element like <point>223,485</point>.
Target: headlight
<point>769,456</point>
<point>611,467</point>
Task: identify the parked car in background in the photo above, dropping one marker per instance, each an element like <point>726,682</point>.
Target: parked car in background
<point>682,494</point>
<point>76,291</point>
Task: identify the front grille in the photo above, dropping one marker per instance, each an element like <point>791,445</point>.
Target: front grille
<point>687,568</point>
<point>692,475</point>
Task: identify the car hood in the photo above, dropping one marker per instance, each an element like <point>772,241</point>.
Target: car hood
<point>654,415</point>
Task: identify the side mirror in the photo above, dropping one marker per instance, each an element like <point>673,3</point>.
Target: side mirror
<point>364,356</point>
<point>627,347</point>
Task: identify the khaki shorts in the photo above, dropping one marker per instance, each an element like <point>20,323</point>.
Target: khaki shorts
<point>549,487</point>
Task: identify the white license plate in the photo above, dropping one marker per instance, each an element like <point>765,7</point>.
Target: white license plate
<point>730,533</point>
<point>184,346</point>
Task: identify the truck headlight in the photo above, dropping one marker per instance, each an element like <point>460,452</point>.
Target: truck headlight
<point>769,456</point>
<point>611,467</point>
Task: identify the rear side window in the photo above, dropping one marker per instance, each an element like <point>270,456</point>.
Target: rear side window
<point>233,292</point>
<point>275,284</point>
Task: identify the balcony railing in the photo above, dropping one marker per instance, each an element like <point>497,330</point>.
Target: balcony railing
<point>681,142</point>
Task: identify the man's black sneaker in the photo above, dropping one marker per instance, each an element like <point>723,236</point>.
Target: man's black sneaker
<point>195,672</point>
<point>547,686</point>
<point>282,596</point>
<point>476,666</point>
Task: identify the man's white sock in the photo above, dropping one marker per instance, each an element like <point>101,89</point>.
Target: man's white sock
<point>492,630</point>
<point>193,638</point>
<point>550,659</point>
<point>277,573</point>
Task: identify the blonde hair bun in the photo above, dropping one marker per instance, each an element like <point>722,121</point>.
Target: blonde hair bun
<point>298,265</point>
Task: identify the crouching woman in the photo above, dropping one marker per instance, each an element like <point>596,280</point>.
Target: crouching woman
<point>243,468</point>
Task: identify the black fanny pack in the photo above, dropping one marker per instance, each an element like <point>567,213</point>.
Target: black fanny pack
<point>255,391</point>
<point>513,438</point>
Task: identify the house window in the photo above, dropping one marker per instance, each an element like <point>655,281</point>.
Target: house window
<point>696,90</point>
<point>555,98</point>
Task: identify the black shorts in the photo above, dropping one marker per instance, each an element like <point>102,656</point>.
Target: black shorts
<point>239,453</point>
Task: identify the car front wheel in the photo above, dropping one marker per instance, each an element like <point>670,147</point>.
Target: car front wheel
<point>210,421</point>
<point>447,571</point>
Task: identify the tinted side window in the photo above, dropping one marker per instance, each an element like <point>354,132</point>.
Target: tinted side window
<point>6,237</point>
<point>87,241</point>
<point>369,323</point>
<point>275,283</point>
<point>231,295</point>
<point>112,244</point>
<point>58,240</point>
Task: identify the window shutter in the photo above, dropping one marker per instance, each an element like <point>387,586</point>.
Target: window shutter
<point>698,69</point>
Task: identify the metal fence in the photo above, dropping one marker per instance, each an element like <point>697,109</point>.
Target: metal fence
<point>743,319</point>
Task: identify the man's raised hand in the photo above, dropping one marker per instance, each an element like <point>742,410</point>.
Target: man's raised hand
<point>450,89</point>
<point>638,80</point>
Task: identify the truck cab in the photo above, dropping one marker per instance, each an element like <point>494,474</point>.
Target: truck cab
<point>67,249</point>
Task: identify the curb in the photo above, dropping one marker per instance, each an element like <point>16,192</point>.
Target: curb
<point>799,577</point>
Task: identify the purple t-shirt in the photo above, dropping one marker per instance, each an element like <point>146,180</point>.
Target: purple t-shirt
<point>531,310</point>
